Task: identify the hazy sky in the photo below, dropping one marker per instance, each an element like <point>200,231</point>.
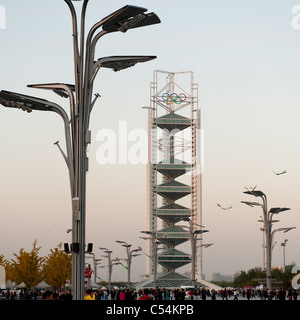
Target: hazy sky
<point>245,58</point>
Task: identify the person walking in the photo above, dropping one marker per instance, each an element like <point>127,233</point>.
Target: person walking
<point>295,294</point>
<point>235,294</point>
<point>181,294</point>
<point>48,295</point>
<point>203,294</point>
<point>167,295</point>
<point>145,295</point>
<point>281,294</point>
<point>89,295</point>
<point>122,295</point>
<point>248,294</point>
<point>68,295</point>
<point>213,294</point>
<point>290,294</point>
<point>225,294</point>
<point>128,295</point>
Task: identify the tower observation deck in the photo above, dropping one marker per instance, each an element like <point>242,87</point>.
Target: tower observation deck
<point>174,176</point>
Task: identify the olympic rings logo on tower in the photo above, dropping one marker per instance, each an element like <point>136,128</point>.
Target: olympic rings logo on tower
<point>174,98</point>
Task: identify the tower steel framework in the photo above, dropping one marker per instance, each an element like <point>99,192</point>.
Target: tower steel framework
<point>174,174</point>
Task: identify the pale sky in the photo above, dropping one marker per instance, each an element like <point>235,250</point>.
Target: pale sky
<point>245,59</point>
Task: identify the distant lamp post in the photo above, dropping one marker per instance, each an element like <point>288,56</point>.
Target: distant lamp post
<point>268,221</point>
<point>95,263</point>
<point>193,238</point>
<point>154,245</point>
<point>284,230</point>
<point>111,263</point>
<point>130,254</point>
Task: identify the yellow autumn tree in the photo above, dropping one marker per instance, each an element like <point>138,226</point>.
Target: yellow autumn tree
<point>57,267</point>
<point>27,267</point>
<point>8,267</point>
<point>9,271</point>
<point>3,261</point>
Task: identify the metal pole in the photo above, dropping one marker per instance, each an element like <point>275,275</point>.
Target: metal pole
<point>283,257</point>
<point>109,265</point>
<point>264,247</point>
<point>268,228</point>
<point>77,257</point>
<point>193,244</point>
<point>193,250</point>
<point>268,232</point>
<point>154,252</point>
<point>128,265</point>
<point>82,200</point>
<point>269,255</point>
<point>109,270</point>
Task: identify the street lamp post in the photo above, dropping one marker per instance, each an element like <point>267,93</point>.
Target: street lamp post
<point>97,266</point>
<point>95,262</point>
<point>81,104</point>
<point>111,263</point>
<point>193,238</point>
<point>154,250</point>
<point>284,230</point>
<point>130,254</point>
<point>267,219</point>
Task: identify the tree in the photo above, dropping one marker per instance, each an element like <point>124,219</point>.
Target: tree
<point>27,267</point>
<point>243,278</point>
<point>283,278</point>
<point>9,270</point>
<point>3,261</point>
<point>57,268</point>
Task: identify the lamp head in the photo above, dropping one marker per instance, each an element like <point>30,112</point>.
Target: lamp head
<point>129,17</point>
<point>277,210</point>
<point>251,204</point>
<point>24,102</point>
<point>118,63</point>
<point>255,193</point>
<point>147,232</point>
<point>289,229</point>
<point>200,231</point>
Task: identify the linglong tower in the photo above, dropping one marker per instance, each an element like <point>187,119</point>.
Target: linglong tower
<point>174,174</point>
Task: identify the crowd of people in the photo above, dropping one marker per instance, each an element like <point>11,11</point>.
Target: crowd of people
<point>13,294</point>
<point>159,294</point>
<point>192,294</point>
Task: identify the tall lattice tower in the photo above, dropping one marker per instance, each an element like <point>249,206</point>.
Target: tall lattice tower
<point>174,173</point>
